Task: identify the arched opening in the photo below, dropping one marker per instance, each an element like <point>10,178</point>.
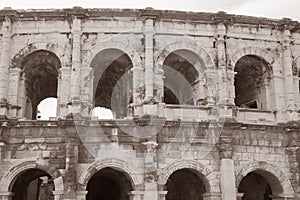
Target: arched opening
<point>252,82</point>
<point>33,184</point>
<point>41,79</point>
<point>102,113</point>
<point>182,83</point>
<point>47,108</point>
<point>112,81</point>
<point>255,187</point>
<point>185,184</point>
<point>109,184</point>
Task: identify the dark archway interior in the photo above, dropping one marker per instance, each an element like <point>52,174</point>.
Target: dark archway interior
<point>112,81</point>
<point>252,75</point>
<point>255,187</point>
<point>108,184</point>
<point>185,184</point>
<point>41,77</point>
<point>181,77</point>
<point>33,184</point>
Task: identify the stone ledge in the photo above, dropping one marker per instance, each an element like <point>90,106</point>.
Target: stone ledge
<point>211,18</point>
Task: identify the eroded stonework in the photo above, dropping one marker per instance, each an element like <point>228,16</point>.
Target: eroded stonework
<point>205,105</point>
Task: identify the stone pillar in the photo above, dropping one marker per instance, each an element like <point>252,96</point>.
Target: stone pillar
<point>136,195</point>
<point>151,187</point>
<point>211,77</point>
<point>149,66</point>
<point>279,95</point>
<point>6,195</point>
<point>76,62</point>
<point>63,92</point>
<point>221,62</point>
<point>227,179</point>
<point>158,83</point>
<point>71,164</point>
<point>4,66</point>
<point>86,94</point>
<point>13,93</point>
<point>228,187</point>
<point>224,95</point>
<point>287,61</point>
<point>138,90</point>
<point>81,195</point>
<point>22,96</point>
<point>230,86</point>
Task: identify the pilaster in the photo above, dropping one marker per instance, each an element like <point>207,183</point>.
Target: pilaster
<point>4,66</point>
<point>13,93</point>
<point>212,82</point>
<point>63,91</point>
<point>151,187</point>
<point>86,91</point>
<point>227,170</point>
<point>287,61</point>
<point>149,64</point>
<point>138,90</point>
<point>220,40</point>
<point>71,164</point>
<point>76,63</point>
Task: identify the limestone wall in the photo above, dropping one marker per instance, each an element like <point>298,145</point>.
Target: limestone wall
<point>209,139</point>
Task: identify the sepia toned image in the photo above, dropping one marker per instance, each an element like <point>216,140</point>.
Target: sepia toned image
<point>142,100</point>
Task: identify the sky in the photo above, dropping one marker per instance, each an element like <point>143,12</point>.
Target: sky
<point>260,8</point>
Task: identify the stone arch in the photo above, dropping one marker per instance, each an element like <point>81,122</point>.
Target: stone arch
<point>206,69</point>
<point>186,45</point>
<point>10,176</point>
<point>121,165</point>
<point>133,55</point>
<point>53,48</point>
<point>207,176</point>
<point>271,172</point>
<point>257,52</point>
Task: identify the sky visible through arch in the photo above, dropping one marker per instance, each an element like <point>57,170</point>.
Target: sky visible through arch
<point>259,8</point>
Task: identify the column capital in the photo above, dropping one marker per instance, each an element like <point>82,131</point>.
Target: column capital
<point>225,148</point>
<point>150,146</point>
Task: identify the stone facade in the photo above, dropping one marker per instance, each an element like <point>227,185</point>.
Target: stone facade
<point>206,105</point>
